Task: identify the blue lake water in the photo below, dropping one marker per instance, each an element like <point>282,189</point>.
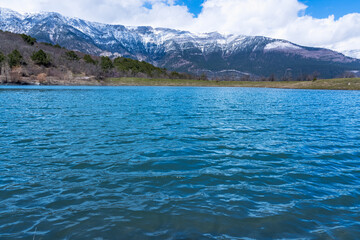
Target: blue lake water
<point>179,163</point>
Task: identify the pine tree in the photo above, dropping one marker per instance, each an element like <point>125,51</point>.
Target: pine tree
<point>15,58</point>
<point>41,58</point>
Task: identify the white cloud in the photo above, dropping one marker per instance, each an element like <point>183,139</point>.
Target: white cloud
<point>126,12</point>
<point>273,18</point>
<point>250,17</point>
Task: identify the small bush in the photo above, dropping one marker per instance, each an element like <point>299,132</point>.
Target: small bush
<point>57,46</point>
<point>71,55</point>
<point>106,63</point>
<point>15,58</point>
<point>41,77</point>
<point>28,39</point>
<point>41,58</point>
<point>89,59</point>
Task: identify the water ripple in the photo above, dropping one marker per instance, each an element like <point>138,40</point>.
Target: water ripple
<point>179,163</point>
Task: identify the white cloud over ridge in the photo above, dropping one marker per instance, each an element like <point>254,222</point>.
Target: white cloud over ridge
<point>285,19</point>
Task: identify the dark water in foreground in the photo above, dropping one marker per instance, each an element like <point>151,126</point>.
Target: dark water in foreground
<point>179,163</point>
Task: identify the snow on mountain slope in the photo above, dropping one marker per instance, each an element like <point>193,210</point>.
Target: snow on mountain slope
<point>206,42</point>
<point>173,49</point>
<point>131,37</point>
<point>280,45</point>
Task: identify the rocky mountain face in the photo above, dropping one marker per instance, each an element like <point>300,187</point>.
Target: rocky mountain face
<point>211,53</point>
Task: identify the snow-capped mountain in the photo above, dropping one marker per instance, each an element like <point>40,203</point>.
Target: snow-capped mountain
<point>211,53</point>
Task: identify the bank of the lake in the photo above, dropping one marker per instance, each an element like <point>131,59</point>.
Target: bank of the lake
<point>330,84</point>
<point>326,84</point>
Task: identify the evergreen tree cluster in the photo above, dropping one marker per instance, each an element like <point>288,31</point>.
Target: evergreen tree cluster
<point>15,58</point>
<point>72,56</point>
<point>41,58</point>
<point>28,39</point>
<point>2,57</point>
<point>106,63</point>
<point>128,65</point>
<point>89,59</point>
<point>135,66</point>
<point>49,44</point>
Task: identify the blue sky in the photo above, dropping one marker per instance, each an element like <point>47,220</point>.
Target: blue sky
<point>324,8</point>
<point>316,8</point>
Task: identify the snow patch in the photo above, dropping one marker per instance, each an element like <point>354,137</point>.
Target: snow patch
<point>278,45</point>
<point>6,13</point>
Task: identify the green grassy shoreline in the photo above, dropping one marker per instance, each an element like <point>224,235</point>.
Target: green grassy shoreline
<point>329,84</point>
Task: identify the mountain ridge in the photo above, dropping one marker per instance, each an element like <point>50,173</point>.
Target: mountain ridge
<point>197,53</point>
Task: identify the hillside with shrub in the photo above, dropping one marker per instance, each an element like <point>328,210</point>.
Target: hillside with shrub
<point>23,60</point>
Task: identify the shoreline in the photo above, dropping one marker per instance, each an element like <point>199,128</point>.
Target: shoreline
<point>323,84</point>
<point>326,84</point>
